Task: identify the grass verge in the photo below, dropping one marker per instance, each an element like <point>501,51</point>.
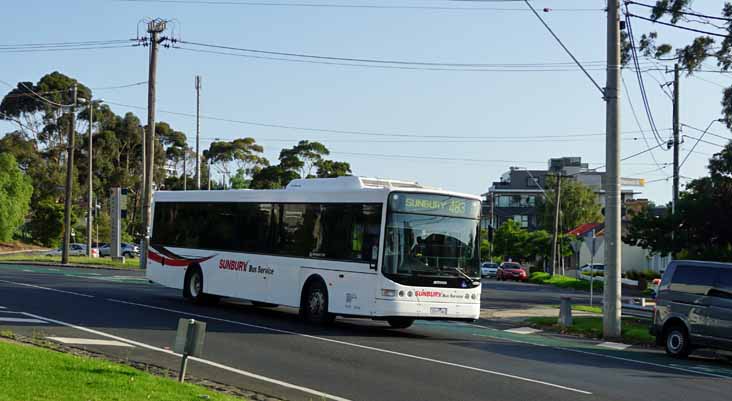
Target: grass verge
<point>30,373</point>
<point>130,263</point>
<point>562,281</point>
<point>634,331</point>
<point>584,308</point>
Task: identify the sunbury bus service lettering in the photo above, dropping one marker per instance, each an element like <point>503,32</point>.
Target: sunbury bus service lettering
<point>243,266</point>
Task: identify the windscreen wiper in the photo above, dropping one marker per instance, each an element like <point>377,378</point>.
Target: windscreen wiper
<point>462,273</point>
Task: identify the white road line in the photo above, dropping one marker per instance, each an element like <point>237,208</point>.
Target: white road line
<point>20,320</point>
<point>612,345</point>
<point>89,341</point>
<point>385,351</point>
<point>48,289</point>
<point>658,365</point>
<point>523,330</point>
<point>2,307</point>
<point>316,393</point>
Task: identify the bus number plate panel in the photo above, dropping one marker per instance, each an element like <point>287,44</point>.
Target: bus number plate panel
<point>438,311</point>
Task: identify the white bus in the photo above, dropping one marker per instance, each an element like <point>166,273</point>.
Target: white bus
<point>348,246</point>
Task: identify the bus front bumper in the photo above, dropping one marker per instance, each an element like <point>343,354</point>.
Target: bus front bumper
<point>427,310</point>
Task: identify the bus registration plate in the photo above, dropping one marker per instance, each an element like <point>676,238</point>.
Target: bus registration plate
<point>438,311</point>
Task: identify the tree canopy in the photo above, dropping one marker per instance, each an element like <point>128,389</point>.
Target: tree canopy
<point>702,225</point>
<point>15,195</point>
<point>577,201</point>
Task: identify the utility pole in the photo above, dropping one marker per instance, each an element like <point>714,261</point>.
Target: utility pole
<point>676,140</point>
<point>69,181</point>
<point>492,227</point>
<point>185,177</point>
<point>198,132</point>
<point>557,199</point>
<point>144,171</point>
<point>611,307</point>
<point>91,187</point>
<point>154,28</point>
<point>209,174</point>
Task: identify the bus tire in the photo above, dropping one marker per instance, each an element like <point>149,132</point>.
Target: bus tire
<point>400,322</point>
<point>314,307</point>
<point>193,288</point>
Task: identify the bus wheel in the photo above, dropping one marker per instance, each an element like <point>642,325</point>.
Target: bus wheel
<point>400,322</point>
<point>315,304</point>
<point>193,288</point>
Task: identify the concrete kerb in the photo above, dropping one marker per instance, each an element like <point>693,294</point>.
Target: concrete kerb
<point>73,266</point>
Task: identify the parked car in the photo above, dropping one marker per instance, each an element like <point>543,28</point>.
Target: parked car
<point>511,271</point>
<point>74,250</point>
<point>488,269</point>
<point>596,268</point>
<point>694,307</point>
<point>126,250</point>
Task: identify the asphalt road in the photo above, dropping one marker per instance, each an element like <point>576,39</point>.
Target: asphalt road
<point>271,351</point>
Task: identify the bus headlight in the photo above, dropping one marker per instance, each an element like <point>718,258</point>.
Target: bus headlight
<point>401,293</point>
<point>473,296</point>
<point>388,293</point>
<point>409,294</point>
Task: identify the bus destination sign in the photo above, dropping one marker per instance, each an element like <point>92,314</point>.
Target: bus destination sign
<point>435,204</point>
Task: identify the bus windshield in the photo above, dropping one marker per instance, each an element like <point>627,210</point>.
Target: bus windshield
<point>432,235</point>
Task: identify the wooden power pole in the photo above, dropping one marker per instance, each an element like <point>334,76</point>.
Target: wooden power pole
<point>154,28</point>
<point>71,143</point>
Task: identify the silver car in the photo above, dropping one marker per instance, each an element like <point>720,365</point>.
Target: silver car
<point>74,250</point>
<point>694,307</point>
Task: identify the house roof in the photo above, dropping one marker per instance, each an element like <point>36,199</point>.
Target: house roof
<point>584,229</point>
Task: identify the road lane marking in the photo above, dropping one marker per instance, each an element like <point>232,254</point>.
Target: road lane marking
<point>89,341</point>
<point>658,365</point>
<point>523,330</point>
<point>612,345</point>
<point>316,393</point>
<point>2,307</point>
<point>385,351</point>
<point>20,320</point>
<point>47,289</point>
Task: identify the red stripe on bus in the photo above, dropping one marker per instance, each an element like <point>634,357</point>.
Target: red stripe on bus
<point>175,262</point>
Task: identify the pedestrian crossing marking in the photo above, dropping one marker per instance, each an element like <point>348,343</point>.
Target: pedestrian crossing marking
<point>88,341</point>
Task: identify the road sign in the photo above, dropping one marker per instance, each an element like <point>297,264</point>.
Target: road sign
<point>632,182</point>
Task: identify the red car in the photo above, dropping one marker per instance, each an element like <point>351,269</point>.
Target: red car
<point>511,271</point>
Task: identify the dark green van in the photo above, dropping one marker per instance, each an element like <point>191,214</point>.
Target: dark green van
<point>694,307</point>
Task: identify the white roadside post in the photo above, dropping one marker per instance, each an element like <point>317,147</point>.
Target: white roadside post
<point>189,340</point>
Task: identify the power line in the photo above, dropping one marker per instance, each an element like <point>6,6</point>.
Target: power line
<point>726,138</point>
<point>397,67</point>
<point>355,132</point>
<point>66,49</point>
<point>677,26</point>
<point>637,121</point>
<point>370,60</point>
<point>355,6</point>
<point>51,102</point>
<point>120,86</point>
<point>64,44</point>
<point>693,14</point>
<point>705,141</point>
<point>602,91</point>
<point>641,84</point>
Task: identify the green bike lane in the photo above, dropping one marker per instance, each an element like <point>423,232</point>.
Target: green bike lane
<point>708,365</point>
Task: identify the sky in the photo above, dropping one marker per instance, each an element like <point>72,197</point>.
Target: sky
<point>464,128</point>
